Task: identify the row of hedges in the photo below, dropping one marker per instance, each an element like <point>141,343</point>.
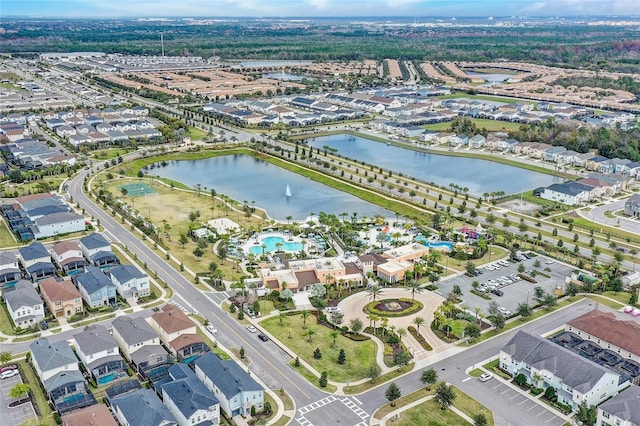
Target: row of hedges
<point>423,342</point>
<point>527,278</point>
<point>370,308</point>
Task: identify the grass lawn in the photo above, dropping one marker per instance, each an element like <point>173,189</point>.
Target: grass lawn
<point>620,296</point>
<point>197,134</point>
<point>484,97</point>
<point>6,238</point>
<point>108,154</point>
<point>476,373</point>
<point>39,398</point>
<point>458,326</point>
<point>360,355</point>
<point>363,387</point>
<point>429,414</point>
<point>402,401</point>
<point>311,378</point>
<point>5,321</point>
<point>607,302</point>
<point>490,125</point>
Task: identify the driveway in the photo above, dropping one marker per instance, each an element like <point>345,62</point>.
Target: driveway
<point>17,415</point>
<point>352,308</point>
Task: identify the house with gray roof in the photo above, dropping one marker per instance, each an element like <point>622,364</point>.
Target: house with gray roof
<point>546,364</point>
<point>96,289</point>
<point>9,267</point>
<point>621,410</point>
<point>234,387</point>
<point>97,250</point>
<point>98,351</point>
<point>24,304</point>
<point>141,407</point>
<point>129,281</point>
<point>190,402</point>
<point>36,260</point>
<point>632,206</point>
<point>58,370</point>
<point>569,193</point>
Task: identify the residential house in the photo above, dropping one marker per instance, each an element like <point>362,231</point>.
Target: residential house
<point>57,224</point>
<point>632,206</point>
<point>95,287</point>
<point>633,169</point>
<point>567,157</point>
<point>552,154</point>
<point>97,414</point>
<point>477,141</point>
<point>187,398</point>
<point>614,331</point>
<point>129,281</point>
<point>141,345</point>
<point>621,410</point>
<point>141,407</point>
<point>545,364</point>
<point>234,387</point>
<point>567,193</point>
<point>97,250</point>
<point>61,297</point>
<point>458,140</point>
<point>9,267</point>
<point>178,333</point>
<point>58,370</point>
<point>68,255</point>
<point>24,304</point>
<point>596,162</point>
<point>614,182</point>
<point>537,150</point>
<point>98,351</point>
<point>36,260</point>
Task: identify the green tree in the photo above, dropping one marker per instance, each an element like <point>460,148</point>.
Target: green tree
<point>242,352</point>
<point>334,334</point>
<point>304,314</point>
<point>524,310</point>
<point>472,331</point>
<point>415,288</point>
<point>20,390</point>
<point>429,377</point>
<point>392,393</point>
<point>323,380</point>
<point>356,325</point>
<point>374,292</point>
<point>444,395</point>
<point>342,357</point>
<point>317,354</point>
<point>374,372</point>
<point>479,420</point>
<point>418,321</point>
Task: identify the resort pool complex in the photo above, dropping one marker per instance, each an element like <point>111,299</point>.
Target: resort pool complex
<point>441,245</point>
<point>273,244</point>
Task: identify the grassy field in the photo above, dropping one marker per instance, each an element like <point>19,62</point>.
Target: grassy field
<point>620,296</point>
<point>360,355</point>
<point>471,407</point>
<point>46,416</point>
<point>197,134</point>
<point>311,378</point>
<point>363,387</point>
<point>6,238</point>
<point>402,401</point>
<point>490,125</point>
<point>607,302</point>
<point>429,414</point>
<point>108,154</point>
<point>484,98</point>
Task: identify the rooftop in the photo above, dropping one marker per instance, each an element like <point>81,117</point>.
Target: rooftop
<point>228,376</point>
<point>97,414</point>
<point>172,319</point>
<point>133,330</point>
<point>614,328</point>
<point>95,338</point>
<point>625,405</point>
<point>52,355</point>
<point>59,290</point>
<point>143,408</point>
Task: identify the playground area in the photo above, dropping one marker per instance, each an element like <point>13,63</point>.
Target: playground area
<point>137,189</point>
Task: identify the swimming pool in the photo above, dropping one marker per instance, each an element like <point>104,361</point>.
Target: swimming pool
<point>272,243</point>
<point>438,245</point>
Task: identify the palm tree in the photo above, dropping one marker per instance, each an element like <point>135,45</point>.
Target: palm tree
<point>281,317</point>
<point>418,321</point>
<point>334,334</point>
<point>374,291</point>
<point>304,314</point>
<point>414,287</point>
<point>310,334</point>
<point>401,333</point>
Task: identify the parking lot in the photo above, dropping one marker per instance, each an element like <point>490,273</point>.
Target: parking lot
<point>16,415</point>
<point>502,279</point>
<point>534,412</point>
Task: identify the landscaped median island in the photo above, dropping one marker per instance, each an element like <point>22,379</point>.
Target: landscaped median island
<point>393,307</point>
<point>303,335</point>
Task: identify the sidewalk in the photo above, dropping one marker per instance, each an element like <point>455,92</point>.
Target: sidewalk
<point>394,415</point>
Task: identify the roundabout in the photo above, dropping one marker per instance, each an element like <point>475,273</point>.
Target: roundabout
<point>388,308</point>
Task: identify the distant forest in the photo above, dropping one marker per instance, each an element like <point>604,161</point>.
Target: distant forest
<point>589,47</point>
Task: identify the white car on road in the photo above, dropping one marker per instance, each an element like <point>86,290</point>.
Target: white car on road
<point>485,377</point>
<point>252,328</point>
<point>211,329</point>
<point>504,311</point>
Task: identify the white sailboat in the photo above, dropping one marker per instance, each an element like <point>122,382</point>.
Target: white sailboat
<point>287,192</point>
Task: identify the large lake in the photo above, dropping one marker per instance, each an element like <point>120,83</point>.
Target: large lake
<point>479,176</point>
<point>245,178</point>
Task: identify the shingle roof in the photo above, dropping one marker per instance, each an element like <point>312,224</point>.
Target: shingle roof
<point>126,273</point>
<point>63,378</point>
<point>22,294</point>
<point>577,372</point>
<point>94,241</point>
<point>143,408</point>
<point>625,405</point>
<point>185,340</point>
<point>621,331</point>
<point>94,339</point>
<point>97,414</point>
<point>34,251</point>
<point>59,290</point>
<point>133,330</point>
<point>187,392</point>
<point>148,352</point>
<point>93,280</point>
<point>172,319</point>
<point>65,246</point>
<point>50,356</point>
<point>228,376</point>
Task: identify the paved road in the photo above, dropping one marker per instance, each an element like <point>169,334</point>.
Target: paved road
<point>597,214</point>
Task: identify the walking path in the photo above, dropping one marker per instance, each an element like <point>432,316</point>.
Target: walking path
<point>394,415</point>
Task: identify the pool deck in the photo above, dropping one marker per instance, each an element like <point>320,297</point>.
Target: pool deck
<point>256,240</point>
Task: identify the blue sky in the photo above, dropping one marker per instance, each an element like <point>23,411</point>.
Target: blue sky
<point>273,8</point>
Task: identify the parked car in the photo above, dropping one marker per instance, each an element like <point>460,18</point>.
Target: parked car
<point>485,377</point>
<point>504,311</point>
<point>252,328</point>
<point>263,337</point>
<point>8,368</point>
<point>44,325</point>
<point>497,292</point>
<point>9,373</point>
<point>211,329</point>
